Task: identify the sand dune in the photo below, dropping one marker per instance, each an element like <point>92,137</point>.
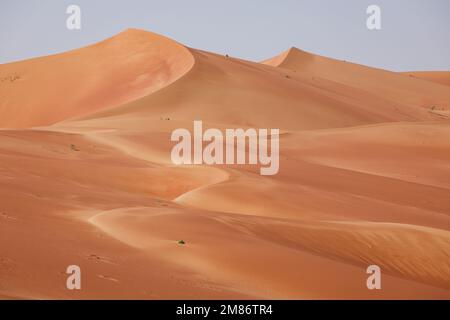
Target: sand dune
<point>120,69</point>
<point>86,177</point>
<point>442,77</point>
<point>249,92</point>
<point>391,85</point>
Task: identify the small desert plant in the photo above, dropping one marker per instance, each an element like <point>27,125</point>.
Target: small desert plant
<point>181,242</point>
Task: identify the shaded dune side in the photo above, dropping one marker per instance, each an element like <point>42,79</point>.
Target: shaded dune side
<point>125,67</point>
<point>441,77</point>
<point>49,183</point>
<point>234,92</point>
<point>395,86</point>
<point>391,246</point>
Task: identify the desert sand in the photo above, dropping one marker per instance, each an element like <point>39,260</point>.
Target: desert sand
<point>442,77</point>
<point>86,177</point>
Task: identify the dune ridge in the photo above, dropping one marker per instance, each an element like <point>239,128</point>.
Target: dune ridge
<point>123,68</point>
<point>86,177</point>
<point>442,77</point>
<point>392,85</point>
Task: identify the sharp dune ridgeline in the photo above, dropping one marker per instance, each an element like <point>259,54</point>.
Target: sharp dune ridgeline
<point>86,177</point>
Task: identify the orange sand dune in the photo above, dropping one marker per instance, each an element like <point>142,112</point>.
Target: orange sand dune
<point>251,95</point>
<point>391,85</point>
<point>120,69</point>
<point>442,77</point>
<point>86,177</point>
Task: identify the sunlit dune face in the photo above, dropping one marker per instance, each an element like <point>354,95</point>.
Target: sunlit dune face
<point>87,179</point>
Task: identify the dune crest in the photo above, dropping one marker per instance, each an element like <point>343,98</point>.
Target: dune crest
<point>86,177</point>
<point>123,68</point>
<point>441,77</point>
<point>391,85</point>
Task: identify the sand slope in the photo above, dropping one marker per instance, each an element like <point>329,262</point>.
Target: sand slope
<point>442,77</point>
<point>123,68</point>
<point>393,86</point>
<point>86,178</point>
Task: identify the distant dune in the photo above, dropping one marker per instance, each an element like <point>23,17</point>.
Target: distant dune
<point>120,69</point>
<point>442,77</point>
<point>86,177</point>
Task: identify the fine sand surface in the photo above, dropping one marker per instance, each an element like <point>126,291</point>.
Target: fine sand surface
<point>86,177</point>
<point>442,77</point>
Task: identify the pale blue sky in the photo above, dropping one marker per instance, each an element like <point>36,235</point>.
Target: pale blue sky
<point>415,34</point>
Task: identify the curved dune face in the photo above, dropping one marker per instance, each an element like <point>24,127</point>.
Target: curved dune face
<point>393,86</point>
<point>232,92</point>
<point>364,177</point>
<point>442,77</point>
<point>125,67</point>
